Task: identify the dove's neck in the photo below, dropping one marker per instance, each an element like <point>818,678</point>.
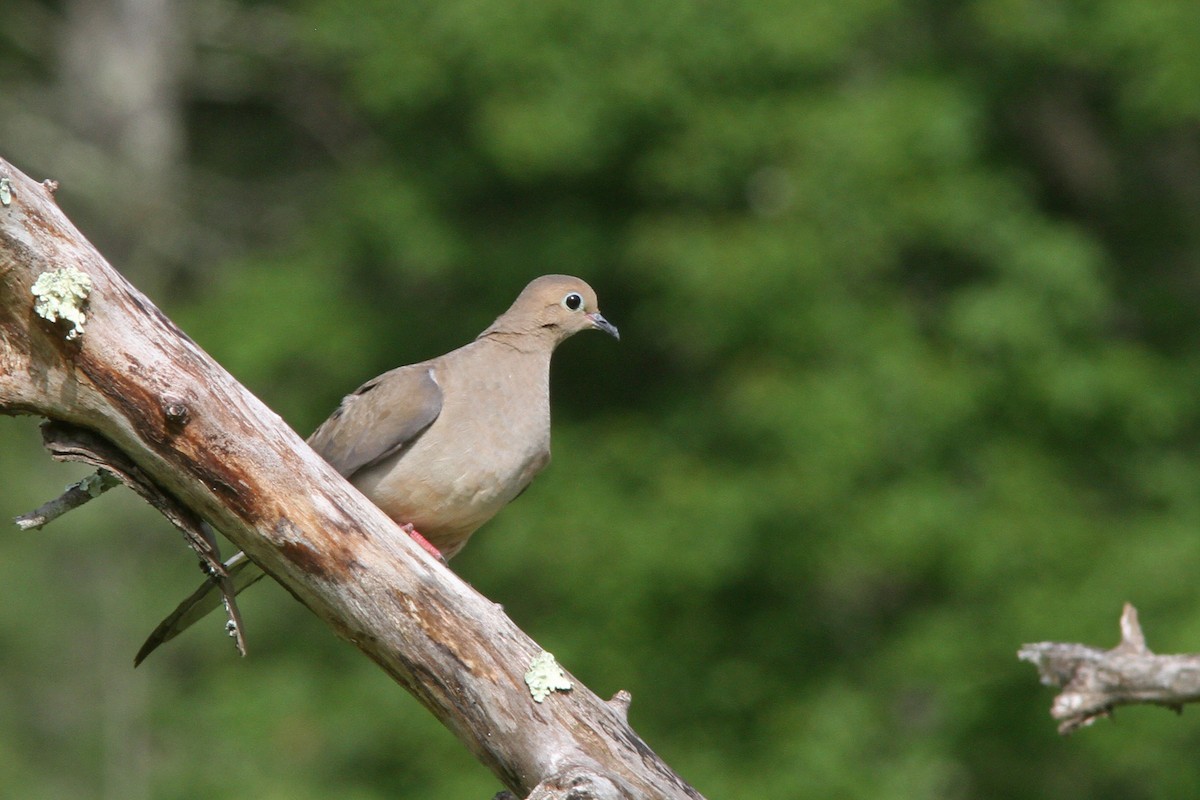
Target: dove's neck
<point>522,339</point>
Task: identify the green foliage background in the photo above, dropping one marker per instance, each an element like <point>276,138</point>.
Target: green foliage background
<point>908,377</point>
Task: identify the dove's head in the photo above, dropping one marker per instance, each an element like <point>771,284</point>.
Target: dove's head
<point>554,307</point>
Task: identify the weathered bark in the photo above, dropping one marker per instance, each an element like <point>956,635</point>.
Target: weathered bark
<point>1096,681</point>
<point>136,380</point>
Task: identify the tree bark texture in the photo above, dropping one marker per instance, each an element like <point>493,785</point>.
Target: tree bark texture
<point>136,380</point>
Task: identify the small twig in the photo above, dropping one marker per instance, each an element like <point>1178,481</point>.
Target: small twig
<point>70,443</point>
<point>72,497</point>
<point>1096,681</point>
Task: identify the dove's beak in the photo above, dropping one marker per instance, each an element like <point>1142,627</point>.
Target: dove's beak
<point>601,324</point>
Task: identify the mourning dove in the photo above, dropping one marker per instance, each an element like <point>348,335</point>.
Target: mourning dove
<point>443,445</point>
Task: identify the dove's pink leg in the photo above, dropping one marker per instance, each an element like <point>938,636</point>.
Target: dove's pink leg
<point>421,540</point>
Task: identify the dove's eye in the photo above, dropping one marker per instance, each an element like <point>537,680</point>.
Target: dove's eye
<point>573,301</point>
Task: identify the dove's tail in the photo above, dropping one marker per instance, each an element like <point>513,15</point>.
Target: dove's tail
<point>242,572</point>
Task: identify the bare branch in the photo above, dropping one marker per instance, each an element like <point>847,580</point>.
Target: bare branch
<point>1096,681</point>
<point>73,497</point>
<point>213,450</point>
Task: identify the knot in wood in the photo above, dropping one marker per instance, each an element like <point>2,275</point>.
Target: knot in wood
<point>175,410</point>
<point>577,783</point>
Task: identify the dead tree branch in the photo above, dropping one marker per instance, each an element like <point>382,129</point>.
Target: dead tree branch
<point>106,362</point>
<point>72,498</point>
<point>1096,681</point>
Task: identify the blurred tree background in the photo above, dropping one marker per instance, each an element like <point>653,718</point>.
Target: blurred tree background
<point>910,301</point>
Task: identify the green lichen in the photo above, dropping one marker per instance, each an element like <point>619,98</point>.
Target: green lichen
<point>97,483</point>
<point>62,294</point>
<point>546,676</point>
